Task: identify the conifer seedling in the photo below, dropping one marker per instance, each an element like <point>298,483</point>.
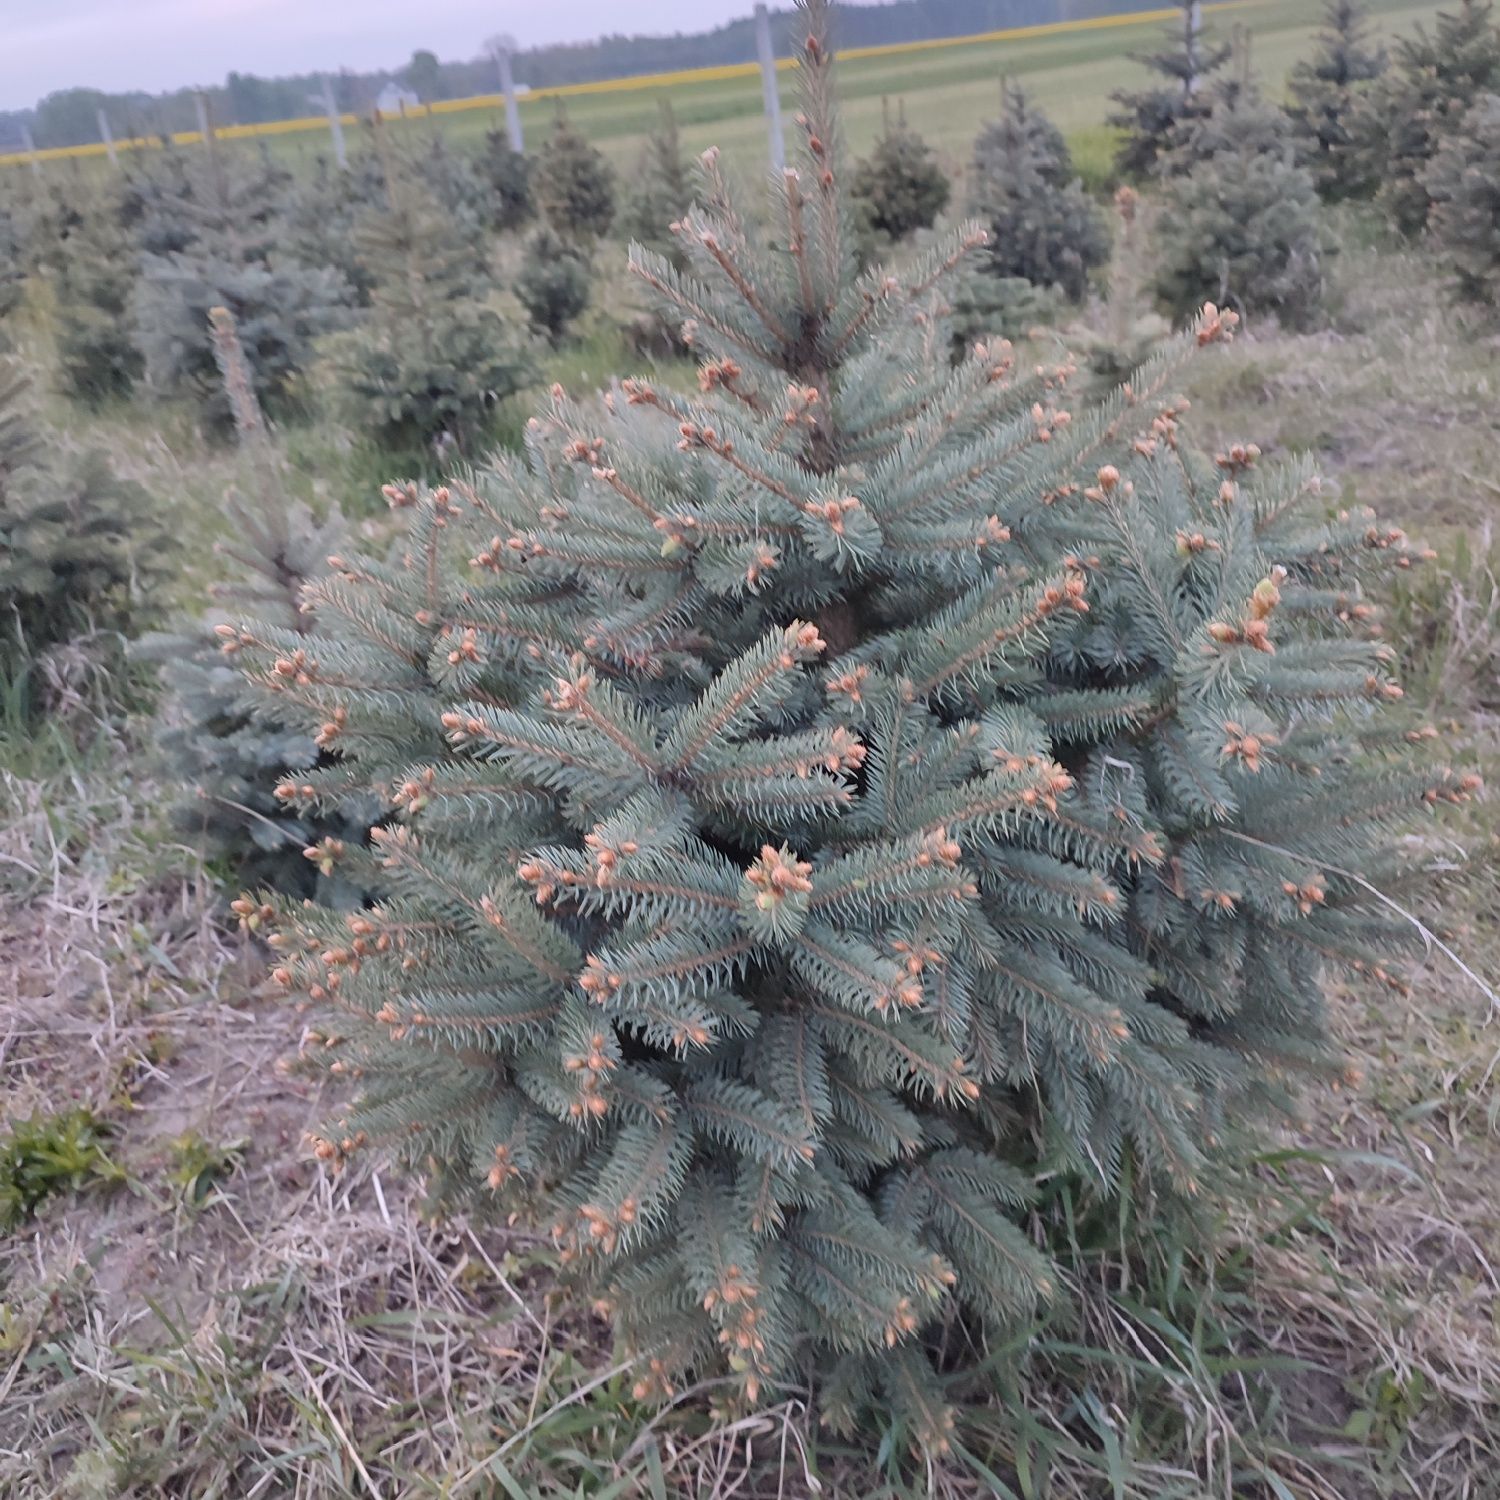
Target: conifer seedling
<point>82,550</point>
<point>1463,181</point>
<point>829,807</point>
<point>661,191</point>
<point>1329,93</point>
<point>1422,98</point>
<point>899,188</point>
<point>96,351</point>
<point>506,174</point>
<point>222,753</point>
<point>426,368</point>
<point>574,185</point>
<point>1187,62</point>
<point>1043,227</point>
<point>232,209</point>
<point>1240,221</point>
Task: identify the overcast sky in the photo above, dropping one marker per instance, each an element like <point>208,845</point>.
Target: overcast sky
<point>161,44</point>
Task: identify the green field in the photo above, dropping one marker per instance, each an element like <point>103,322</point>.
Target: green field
<point>947,91</point>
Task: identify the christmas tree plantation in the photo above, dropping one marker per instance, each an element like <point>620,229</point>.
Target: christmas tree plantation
<point>827,806</point>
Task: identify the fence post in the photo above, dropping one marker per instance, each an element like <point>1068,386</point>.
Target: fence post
<point>335,123</point>
<point>30,145</point>
<point>768,85</point>
<point>501,48</point>
<point>107,136</point>
<point>1192,21</point>
<point>200,100</point>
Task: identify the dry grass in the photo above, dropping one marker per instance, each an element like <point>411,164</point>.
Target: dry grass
<point>1399,396</point>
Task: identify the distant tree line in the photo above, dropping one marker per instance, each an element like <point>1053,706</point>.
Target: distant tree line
<point>69,117</point>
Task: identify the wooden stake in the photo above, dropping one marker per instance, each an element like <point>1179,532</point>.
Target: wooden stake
<point>107,136</point>
<point>769,89</point>
<point>508,88</point>
<point>335,124</point>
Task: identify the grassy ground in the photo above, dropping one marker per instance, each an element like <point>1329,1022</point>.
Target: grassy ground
<point>202,1311</point>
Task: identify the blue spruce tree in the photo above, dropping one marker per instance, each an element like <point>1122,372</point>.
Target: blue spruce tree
<point>828,805</point>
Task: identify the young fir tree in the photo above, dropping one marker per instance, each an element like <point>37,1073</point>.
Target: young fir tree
<point>232,258</point>
<point>1148,118</point>
<point>1243,227</point>
<point>157,186</point>
<point>1421,100</point>
<point>1463,181</point>
<point>97,355</point>
<point>574,185</point>
<point>553,285</point>
<point>835,803</point>
<point>506,174</point>
<point>1231,114</point>
<point>1043,227</point>
<point>1120,333</point>
<point>82,551</point>
<point>661,191</point>
<point>456,182</point>
<point>899,188</point>
<point>1328,91</point>
<point>324,212</point>
<point>431,360</point>
<point>50,211</point>
<point>1243,221</point>
<point>226,758</point>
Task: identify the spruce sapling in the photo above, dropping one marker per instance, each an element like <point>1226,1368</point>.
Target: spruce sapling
<point>82,550</point>
<point>833,804</point>
<point>1328,92</point>
<point>574,185</point>
<point>661,190</point>
<point>1421,100</point>
<point>899,188</point>
<point>233,208</point>
<point>96,352</point>
<point>507,177</point>
<point>227,757</point>
<point>1148,118</point>
<point>1463,182</point>
<point>431,360</point>
<point>553,285</point>
<point>1043,227</point>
